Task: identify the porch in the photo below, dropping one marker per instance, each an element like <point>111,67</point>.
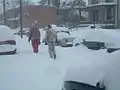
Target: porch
<point>101,13</point>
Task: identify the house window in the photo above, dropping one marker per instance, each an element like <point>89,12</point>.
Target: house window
<point>108,1</point>
<point>94,2</point>
<point>110,13</point>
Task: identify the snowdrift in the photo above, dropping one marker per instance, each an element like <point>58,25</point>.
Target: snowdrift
<point>7,41</point>
<point>90,67</point>
<point>59,28</point>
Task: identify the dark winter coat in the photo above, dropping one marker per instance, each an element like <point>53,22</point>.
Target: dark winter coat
<point>34,33</point>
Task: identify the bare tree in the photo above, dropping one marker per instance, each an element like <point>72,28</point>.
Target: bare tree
<point>78,3</point>
<point>42,2</point>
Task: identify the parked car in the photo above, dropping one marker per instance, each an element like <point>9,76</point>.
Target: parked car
<point>59,28</point>
<point>64,39</point>
<point>73,85</point>
<point>95,45</point>
<point>86,71</point>
<point>7,41</point>
<point>92,70</point>
<point>97,40</point>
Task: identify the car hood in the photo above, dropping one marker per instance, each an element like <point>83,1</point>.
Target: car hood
<point>87,66</point>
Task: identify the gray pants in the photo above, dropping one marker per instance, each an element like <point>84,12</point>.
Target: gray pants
<point>51,48</point>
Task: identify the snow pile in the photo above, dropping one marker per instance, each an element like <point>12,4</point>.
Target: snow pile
<point>59,28</point>
<point>89,66</point>
<point>86,66</point>
<point>108,37</point>
<point>62,35</point>
<point>6,33</point>
<point>98,36</point>
<point>112,76</point>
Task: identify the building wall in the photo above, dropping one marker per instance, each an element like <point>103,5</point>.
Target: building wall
<point>118,14</point>
<point>43,15</point>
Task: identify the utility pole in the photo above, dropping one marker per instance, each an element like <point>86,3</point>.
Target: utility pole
<point>118,13</point>
<point>4,11</point>
<point>21,25</point>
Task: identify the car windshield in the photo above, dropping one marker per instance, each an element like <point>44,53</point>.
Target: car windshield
<point>59,44</point>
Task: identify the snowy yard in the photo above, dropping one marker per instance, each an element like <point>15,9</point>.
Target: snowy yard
<point>29,71</point>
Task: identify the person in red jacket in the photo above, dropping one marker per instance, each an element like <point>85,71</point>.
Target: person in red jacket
<point>34,37</point>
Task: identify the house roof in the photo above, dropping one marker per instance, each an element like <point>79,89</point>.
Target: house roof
<point>89,6</point>
<point>101,4</point>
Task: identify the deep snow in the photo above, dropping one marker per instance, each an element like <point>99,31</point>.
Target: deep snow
<point>29,71</point>
<point>6,33</point>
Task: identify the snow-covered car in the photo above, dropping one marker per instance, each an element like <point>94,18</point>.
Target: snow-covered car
<point>96,40</point>
<point>64,39</point>
<point>7,41</point>
<point>59,28</point>
<point>86,71</point>
<point>112,76</point>
<point>92,70</point>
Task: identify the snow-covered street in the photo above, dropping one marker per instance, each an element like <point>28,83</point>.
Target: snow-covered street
<point>30,71</point>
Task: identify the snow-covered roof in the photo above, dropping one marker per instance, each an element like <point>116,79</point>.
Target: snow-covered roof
<point>101,4</point>
<point>5,33</point>
<point>11,7</point>
<point>17,18</point>
<point>91,5</point>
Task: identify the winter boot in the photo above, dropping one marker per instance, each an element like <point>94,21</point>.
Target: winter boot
<point>54,56</point>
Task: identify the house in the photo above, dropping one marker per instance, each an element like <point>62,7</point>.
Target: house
<point>71,12</point>
<point>102,11</point>
<point>43,15</point>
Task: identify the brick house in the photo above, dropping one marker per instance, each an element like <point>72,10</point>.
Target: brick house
<point>42,14</point>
